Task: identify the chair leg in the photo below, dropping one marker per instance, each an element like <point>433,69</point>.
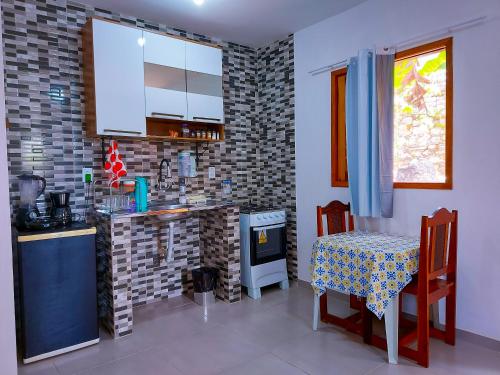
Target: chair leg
<point>315,312</point>
<point>354,303</point>
<point>423,334</point>
<point>451,301</point>
<point>366,321</point>
<point>323,306</point>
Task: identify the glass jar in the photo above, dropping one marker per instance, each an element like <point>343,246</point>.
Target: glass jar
<point>184,131</point>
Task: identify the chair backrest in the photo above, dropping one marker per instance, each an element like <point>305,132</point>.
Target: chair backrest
<point>438,245</point>
<point>338,218</point>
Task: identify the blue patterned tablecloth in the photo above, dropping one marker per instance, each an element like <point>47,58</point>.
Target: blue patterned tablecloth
<point>372,265</point>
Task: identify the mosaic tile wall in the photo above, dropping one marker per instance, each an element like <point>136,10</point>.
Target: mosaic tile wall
<point>275,108</point>
<point>45,109</point>
<point>132,270</point>
<point>47,134</point>
<point>152,277</point>
<point>220,248</point>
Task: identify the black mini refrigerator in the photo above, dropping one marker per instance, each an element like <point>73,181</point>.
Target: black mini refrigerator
<point>57,291</point>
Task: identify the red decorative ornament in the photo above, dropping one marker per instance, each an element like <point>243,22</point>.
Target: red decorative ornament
<point>114,165</point>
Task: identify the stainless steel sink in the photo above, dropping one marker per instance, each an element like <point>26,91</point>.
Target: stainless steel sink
<point>166,205</point>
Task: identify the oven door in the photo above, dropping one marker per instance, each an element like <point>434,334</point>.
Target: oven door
<point>267,243</point>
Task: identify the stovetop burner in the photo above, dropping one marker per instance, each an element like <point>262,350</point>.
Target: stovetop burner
<point>253,208</point>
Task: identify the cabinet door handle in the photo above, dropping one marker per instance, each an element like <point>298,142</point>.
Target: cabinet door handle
<point>206,118</point>
<point>166,114</point>
<point>122,131</point>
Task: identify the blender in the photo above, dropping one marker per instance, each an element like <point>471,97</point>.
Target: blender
<point>30,188</point>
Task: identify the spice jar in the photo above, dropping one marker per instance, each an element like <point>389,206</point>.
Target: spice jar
<point>184,131</point>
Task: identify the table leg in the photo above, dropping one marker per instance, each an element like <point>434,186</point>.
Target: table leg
<point>315,312</point>
<point>391,329</point>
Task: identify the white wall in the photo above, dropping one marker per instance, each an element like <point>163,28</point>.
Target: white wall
<point>7,324</point>
<point>476,127</point>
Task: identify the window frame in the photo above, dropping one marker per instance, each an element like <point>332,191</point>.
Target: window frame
<point>446,44</point>
<point>337,181</point>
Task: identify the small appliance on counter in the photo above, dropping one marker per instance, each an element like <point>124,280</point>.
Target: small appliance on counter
<point>60,210</point>
<point>28,216</point>
<point>263,248</point>
<point>57,290</point>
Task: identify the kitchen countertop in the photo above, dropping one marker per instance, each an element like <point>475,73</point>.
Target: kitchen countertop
<point>209,205</point>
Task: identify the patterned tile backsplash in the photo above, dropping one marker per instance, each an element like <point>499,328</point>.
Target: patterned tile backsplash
<point>45,110</point>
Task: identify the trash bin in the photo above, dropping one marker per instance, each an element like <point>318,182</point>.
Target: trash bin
<point>204,280</point>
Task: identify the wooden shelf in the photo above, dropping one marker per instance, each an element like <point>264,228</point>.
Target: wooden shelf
<point>160,128</point>
<point>181,139</point>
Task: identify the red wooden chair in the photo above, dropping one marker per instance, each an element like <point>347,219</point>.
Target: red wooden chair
<point>436,279</point>
<point>339,219</point>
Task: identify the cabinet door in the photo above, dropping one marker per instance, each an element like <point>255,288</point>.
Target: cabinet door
<point>118,79</point>
<point>164,50</point>
<point>164,103</point>
<point>205,108</point>
<point>57,293</point>
<point>203,59</point>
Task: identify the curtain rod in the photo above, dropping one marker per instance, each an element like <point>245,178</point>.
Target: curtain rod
<point>412,41</point>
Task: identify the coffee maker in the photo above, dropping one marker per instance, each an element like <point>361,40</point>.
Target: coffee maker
<point>30,188</point>
<point>61,210</point>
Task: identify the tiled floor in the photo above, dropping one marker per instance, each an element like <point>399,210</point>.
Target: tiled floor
<point>269,336</point>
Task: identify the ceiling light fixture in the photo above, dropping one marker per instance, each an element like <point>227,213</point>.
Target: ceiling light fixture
<point>199,2</point>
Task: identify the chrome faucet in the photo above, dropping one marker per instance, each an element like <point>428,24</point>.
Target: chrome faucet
<point>167,185</point>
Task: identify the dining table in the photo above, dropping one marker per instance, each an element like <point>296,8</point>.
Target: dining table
<point>376,266</point>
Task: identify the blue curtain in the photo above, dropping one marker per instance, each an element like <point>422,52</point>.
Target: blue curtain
<point>369,111</point>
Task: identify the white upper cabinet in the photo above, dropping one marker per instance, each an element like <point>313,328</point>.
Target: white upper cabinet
<point>132,75</point>
<point>164,50</point>
<point>118,79</point>
<point>205,108</point>
<point>203,59</point>
<point>163,103</point>
<point>204,83</point>
<point>165,76</point>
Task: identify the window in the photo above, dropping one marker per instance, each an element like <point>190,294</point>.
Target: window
<point>423,88</point>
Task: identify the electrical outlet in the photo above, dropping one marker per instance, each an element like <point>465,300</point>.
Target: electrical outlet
<point>87,175</point>
<point>211,173</point>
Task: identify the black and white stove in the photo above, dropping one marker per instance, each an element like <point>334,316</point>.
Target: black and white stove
<point>263,248</point>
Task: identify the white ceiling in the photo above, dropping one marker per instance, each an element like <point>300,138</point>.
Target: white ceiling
<point>249,22</point>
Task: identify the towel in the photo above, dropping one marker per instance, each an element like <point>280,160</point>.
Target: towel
<point>114,165</point>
